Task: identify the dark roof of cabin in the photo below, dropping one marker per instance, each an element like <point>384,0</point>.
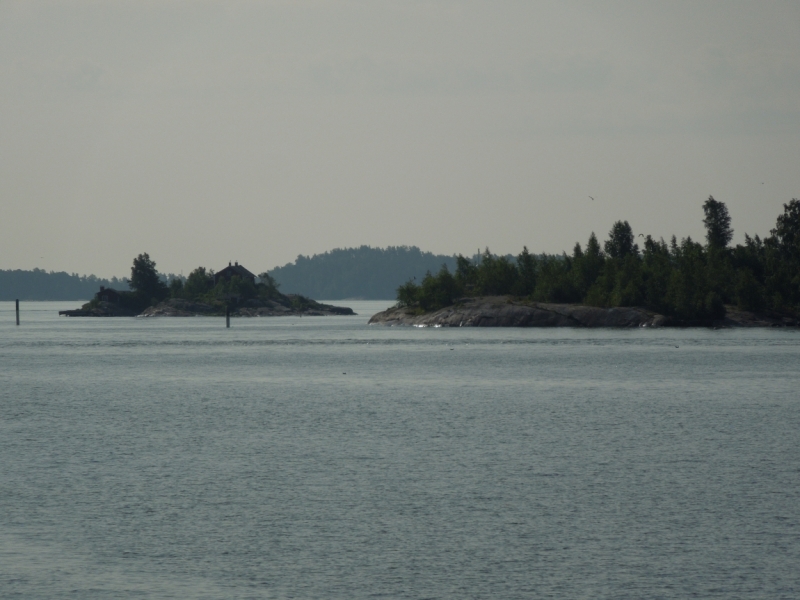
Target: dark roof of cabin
<point>235,269</point>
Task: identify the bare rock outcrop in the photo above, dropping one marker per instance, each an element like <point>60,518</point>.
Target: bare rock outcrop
<point>504,311</point>
<point>103,309</point>
<point>321,310</point>
<point>177,307</point>
<point>735,317</point>
<point>501,311</point>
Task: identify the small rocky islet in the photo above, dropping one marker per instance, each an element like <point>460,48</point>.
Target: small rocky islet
<point>233,291</point>
<point>288,306</point>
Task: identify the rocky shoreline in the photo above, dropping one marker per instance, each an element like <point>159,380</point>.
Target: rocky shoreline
<point>177,307</point>
<point>503,311</point>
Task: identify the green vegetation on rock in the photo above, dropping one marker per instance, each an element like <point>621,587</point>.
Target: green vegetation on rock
<point>686,280</point>
<point>200,294</point>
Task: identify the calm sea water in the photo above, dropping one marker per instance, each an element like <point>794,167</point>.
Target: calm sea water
<point>323,458</point>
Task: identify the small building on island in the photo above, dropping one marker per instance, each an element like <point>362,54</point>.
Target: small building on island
<point>108,295</point>
<point>234,270</point>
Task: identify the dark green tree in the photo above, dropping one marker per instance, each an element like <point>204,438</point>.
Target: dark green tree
<point>718,223</point>
<point>198,284</point>
<point>554,281</point>
<point>407,293</point>
<point>787,230</point>
<point>782,260</point>
<point>630,283</point>
<point>656,272</point>
<point>691,295</point>
<point>496,275</point>
<point>526,268</point>
<point>587,265</point>
<point>749,291</point>
<point>438,291</point>
<point>620,241</point>
<point>466,273</point>
<point>145,281</point>
<point>720,274</point>
<point>176,288</point>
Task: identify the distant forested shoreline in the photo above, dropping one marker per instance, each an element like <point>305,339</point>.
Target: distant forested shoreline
<point>363,272</point>
<point>686,280</point>
<point>38,284</point>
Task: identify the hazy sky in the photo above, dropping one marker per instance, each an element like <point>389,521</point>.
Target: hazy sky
<point>203,132</point>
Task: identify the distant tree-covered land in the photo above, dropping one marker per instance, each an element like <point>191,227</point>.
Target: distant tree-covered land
<point>42,285</point>
<point>364,272</point>
<point>685,279</point>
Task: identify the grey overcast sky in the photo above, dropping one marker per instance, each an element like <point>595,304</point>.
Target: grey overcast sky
<point>203,132</point>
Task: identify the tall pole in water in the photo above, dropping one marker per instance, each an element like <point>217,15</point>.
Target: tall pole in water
<point>227,316</point>
<point>17,311</point>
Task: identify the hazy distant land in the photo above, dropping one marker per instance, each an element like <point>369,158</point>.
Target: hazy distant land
<point>37,284</point>
<point>363,273</point>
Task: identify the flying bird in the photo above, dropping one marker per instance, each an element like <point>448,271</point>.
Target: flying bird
<point>592,198</point>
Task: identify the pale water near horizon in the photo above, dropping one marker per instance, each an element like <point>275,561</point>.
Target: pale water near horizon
<point>319,457</point>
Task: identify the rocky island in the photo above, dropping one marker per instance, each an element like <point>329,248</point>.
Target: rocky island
<point>288,306</point>
<point>617,284</point>
<point>233,291</point>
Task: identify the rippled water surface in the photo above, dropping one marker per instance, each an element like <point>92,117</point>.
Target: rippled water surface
<point>323,458</point>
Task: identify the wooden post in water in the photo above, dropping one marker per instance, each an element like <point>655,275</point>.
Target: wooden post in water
<point>17,311</point>
<point>228,316</point>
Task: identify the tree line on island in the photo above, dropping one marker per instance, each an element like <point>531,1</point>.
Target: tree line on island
<point>687,280</point>
<point>148,289</point>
